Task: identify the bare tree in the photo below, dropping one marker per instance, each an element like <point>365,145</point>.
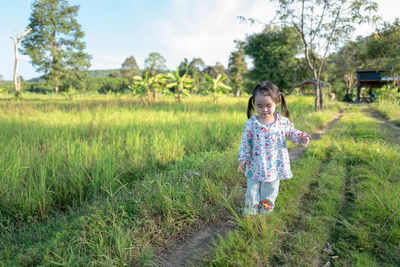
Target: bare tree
<point>17,41</point>
<point>322,25</point>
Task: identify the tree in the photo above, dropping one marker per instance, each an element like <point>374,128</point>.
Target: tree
<point>155,63</point>
<point>213,71</point>
<point>17,41</point>
<point>346,65</point>
<point>274,53</point>
<point>184,67</point>
<point>193,70</point>
<point>117,74</point>
<point>237,68</point>
<point>197,64</point>
<point>383,49</point>
<point>129,68</point>
<point>55,43</point>
<point>217,87</point>
<point>180,85</point>
<point>322,24</point>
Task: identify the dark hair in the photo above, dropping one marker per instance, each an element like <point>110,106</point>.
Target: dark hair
<point>271,90</point>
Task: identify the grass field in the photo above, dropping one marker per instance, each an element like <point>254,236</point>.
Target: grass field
<point>345,193</point>
<point>109,181</point>
<point>390,111</point>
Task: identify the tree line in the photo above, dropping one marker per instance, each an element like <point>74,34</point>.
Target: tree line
<point>304,44</point>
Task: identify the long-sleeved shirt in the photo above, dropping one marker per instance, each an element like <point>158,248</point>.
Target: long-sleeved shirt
<point>264,149</point>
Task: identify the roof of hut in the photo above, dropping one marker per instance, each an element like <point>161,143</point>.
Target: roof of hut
<point>309,82</point>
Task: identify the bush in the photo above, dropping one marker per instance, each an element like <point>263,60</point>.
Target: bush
<point>388,93</point>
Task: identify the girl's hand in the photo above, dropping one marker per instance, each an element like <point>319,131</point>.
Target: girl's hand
<point>305,138</point>
<point>242,163</point>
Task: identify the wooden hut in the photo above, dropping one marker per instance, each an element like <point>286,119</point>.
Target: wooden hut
<point>372,78</point>
<point>306,83</point>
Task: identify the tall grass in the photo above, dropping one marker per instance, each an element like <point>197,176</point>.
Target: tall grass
<point>114,180</point>
<point>59,153</point>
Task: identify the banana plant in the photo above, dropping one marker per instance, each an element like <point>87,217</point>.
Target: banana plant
<point>217,87</point>
<point>147,87</point>
<point>178,85</point>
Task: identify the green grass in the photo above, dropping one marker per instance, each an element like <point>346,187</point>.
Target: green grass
<point>110,181</point>
<point>344,191</point>
<point>389,110</point>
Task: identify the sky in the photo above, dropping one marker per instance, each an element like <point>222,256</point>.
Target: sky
<point>177,29</point>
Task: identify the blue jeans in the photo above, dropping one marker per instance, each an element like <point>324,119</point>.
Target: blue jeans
<point>260,196</point>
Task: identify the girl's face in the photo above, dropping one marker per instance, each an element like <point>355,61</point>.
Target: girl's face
<point>265,106</point>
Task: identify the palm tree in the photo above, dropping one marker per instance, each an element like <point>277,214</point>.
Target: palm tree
<point>217,87</point>
<point>179,84</point>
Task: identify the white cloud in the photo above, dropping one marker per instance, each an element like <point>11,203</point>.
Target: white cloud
<point>208,28</point>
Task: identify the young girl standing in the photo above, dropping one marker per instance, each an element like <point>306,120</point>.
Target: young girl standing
<point>263,149</point>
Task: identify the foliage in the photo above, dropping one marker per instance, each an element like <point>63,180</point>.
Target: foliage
<point>155,63</point>
<point>323,25</point>
<point>213,71</point>
<point>144,87</point>
<point>55,43</point>
<point>115,74</point>
<point>237,69</point>
<point>345,64</point>
<point>129,68</point>
<point>273,52</point>
<point>217,87</point>
<point>101,73</point>
<point>107,85</point>
<point>384,48</point>
<point>70,93</point>
<point>178,85</point>
<point>388,93</point>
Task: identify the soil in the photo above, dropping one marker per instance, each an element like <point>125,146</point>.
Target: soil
<point>194,249</point>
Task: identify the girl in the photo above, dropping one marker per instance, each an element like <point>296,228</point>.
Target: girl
<point>263,149</point>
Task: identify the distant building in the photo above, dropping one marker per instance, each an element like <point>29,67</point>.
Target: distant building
<point>371,78</point>
<point>305,83</point>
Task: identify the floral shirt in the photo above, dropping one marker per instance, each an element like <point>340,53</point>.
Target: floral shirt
<point>264,148</point>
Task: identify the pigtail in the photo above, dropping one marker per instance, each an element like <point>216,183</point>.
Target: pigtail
<point>284,106</point>
<point>250,107</point>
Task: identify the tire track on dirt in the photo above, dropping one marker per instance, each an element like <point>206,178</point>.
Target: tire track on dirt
<point>196,246</point>
<point>375,114</point>
<point>306,200</point>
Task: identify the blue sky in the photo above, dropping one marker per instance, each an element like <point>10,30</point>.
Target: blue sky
<point>176,29</point>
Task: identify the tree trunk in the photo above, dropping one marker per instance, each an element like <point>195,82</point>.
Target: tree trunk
<point>17,40</point>
<point>349,81</point>
<point>56,86</point>
<point>148,95</point>
<point>237,93</point>
<point>317,106</point>
<point>15,78</point>
<point>154,91</point>
<point>321,97</point>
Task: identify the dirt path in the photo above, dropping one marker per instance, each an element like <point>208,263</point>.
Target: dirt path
<point>195,247</point>
<point>191,251</point>
<point>376,115</point>
<point>296,152</point>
